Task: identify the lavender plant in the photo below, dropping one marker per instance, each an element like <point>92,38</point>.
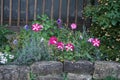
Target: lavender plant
<point>33,49</point>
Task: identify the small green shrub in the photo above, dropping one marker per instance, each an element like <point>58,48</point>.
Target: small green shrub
<point>33,49</point>
<point>4,44</point>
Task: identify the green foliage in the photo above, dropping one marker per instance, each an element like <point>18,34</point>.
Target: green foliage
<point>49,26</point>
<point>106,14</point>
<point>32,76</point>
<point>4,45</point>
<point>65,76</point>
<point>33,46</point>
<point>108,78</point>
<point>83,49</point>
<point>106,25</point>
<point>86,50</point>
<point>33,49</point>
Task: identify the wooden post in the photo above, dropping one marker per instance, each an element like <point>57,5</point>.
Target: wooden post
<point>68,8</point>
<point>43,6</point>
<point>52,7</point>
<point>35,10</point>
<point>1,12</point>
<point>76,10</point>
<point>18,18</point>
<point>26,11</point>
<point>10,13</point>
<point>60,8</point>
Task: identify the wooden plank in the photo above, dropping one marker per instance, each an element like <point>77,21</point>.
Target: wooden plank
<point>68,9</point>
<point>43,6</point>
<point>27,11</point>
<point>52,7</point>
<point>1,12</point>
<point>10,13</point>
<point>76,10</point>
<point>18,18</point>
<point>60,8</point>
<point>35,9</point>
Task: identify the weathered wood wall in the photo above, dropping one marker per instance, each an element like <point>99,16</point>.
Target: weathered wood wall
<point>20,12</point>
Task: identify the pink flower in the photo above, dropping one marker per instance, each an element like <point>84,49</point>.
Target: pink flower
<point>96,42</point>
<point>36,27</point>
<point>60,45</point>
<point>69,46</point>
<point>52,40</point>
<point>73,26</point>
<point>90,40</point>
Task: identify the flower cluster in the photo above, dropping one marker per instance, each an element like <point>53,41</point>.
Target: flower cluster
<point>4,57</point>
<point>60,45</point>
<point>94,41</point>
<point>73,43</point>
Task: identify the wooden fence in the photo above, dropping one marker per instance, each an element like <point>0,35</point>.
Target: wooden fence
<point>20,12</point>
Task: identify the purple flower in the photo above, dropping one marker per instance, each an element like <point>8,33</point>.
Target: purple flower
<point>59,21</point>
<point>15,41</point>
<point>26,27</point>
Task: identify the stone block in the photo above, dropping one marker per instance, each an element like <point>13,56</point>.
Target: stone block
<point>13,72</point>
<point>24,72</point>
<point>50,77</point>
<point>80,67</point>
<point>72,76</point>
<point>104,69</point>
<point>47,67</point>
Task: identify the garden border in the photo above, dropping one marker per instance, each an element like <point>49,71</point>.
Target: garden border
<point>53,70</point>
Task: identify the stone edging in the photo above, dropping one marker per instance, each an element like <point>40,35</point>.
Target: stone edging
<point>52,70</point>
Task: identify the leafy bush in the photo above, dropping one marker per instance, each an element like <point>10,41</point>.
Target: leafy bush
<point>66,36</point>
<point>5,47</point>
<point>80,47</point>
<point>106,25</point>
<point>4,44</point>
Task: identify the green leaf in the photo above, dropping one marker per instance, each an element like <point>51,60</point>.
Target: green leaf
<point>114,22</point>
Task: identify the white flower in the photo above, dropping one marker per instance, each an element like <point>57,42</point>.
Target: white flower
<point>11,56</point>
<point>81,37</point>
<point>42,39</point>
<point>2,57</point>
<point>1,54</point>
<point>5,54</point>
<point>3,60</point>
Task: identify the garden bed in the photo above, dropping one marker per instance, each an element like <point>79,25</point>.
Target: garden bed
<point>51,50</point>
<point>53,70</point>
